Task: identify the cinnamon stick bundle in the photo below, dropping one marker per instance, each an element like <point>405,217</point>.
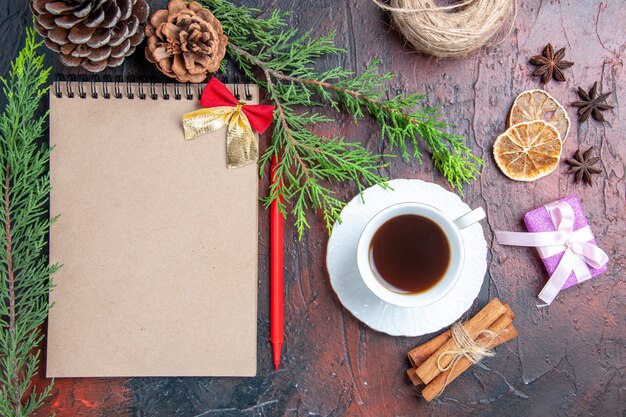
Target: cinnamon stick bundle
<point>490,327</point>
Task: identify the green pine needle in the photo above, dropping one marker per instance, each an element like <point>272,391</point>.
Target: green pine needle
<point>285,63</point>
<point>24,224</point>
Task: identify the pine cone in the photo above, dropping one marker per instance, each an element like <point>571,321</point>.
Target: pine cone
<point>185,41</point>
<point>93,34</point>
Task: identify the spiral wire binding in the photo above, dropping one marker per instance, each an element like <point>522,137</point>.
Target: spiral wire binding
<point>153,90</point>
<point>246,89</point>
<point>164,91</point>
<point>131,87</point>
<point>200,89</point>
<point>105,86</point>
<point>94,91</point>
<point>81,86</point>
<point>57,85</point>
<point>116,86</point>
<point>236,87</point>
<point>140,93</point>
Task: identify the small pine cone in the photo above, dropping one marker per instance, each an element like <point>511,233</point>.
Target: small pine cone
<point>93,34</point>
<point>185,42</point>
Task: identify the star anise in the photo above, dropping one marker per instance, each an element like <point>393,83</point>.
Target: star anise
<point>582,166</point>
<point>591,105</point>
<point>550,64</point>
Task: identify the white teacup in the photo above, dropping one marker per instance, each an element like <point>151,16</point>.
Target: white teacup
<point>451,229</point>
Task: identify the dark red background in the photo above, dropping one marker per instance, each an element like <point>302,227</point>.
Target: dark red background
<point>569,359</point>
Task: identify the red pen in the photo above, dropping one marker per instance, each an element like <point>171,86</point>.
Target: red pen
<point>276,274</point>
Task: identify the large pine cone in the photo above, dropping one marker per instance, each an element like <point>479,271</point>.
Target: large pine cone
<point>186,41</point>
<point>93,34</point>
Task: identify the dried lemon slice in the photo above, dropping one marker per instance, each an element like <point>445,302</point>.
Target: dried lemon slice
<point>539,105</point>
<point>528,151</point>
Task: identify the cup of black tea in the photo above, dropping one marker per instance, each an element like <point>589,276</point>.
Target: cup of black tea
<point>412,254</point>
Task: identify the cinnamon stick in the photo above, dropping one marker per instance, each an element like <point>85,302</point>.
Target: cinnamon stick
<point>429,370</point>
<point>418,355</point>
<point>441,381</point>
<point>413,377</point>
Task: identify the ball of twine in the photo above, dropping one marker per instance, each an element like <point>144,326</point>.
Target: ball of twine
<point>454,30</point>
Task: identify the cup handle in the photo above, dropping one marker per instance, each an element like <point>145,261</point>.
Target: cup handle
<point>470,218</point>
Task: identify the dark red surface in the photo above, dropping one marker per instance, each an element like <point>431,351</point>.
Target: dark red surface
<point>569,359</point>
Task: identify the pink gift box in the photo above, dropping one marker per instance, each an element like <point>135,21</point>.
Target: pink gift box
<point>539,220</point>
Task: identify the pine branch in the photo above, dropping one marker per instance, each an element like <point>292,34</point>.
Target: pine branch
<point>24,271</point>
<point>309,163</point>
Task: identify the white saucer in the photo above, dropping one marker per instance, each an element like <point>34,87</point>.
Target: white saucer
<point>361,302</point>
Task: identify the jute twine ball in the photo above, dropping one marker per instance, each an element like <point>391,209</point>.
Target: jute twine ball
<point>451,30</point>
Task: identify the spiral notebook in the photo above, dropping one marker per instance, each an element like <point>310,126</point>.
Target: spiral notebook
<point>157,238</point>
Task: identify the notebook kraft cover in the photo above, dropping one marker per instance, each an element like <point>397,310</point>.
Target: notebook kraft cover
<point>158,242</point>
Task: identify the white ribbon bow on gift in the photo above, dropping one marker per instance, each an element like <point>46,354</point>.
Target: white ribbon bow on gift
<point>577,250</point>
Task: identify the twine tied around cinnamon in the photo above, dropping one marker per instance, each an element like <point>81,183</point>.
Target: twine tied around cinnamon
<point>454,30</point>
<point>465,346</point>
